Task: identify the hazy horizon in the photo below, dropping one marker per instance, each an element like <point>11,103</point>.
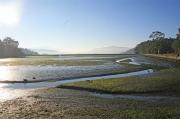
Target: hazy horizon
<point>102,50</point>
<point>80,26</point>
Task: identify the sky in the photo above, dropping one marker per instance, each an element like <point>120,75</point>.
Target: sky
<point>78,26</point>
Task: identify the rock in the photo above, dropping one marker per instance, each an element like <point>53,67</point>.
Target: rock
<point>25,80</point>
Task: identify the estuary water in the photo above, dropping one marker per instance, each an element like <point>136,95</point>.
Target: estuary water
<point>45,72</point>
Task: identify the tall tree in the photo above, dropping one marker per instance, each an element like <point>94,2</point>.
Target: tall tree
<point>176,46</point>
<point>158,37</point>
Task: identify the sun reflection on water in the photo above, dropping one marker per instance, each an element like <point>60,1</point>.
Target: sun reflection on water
<point>5,73</point>
<point>7,93</point>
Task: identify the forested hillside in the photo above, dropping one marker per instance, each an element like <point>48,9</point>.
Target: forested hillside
<point>159,44</point>
<point>9,48</point>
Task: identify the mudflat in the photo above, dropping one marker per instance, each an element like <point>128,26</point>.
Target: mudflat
<point>56,103</point>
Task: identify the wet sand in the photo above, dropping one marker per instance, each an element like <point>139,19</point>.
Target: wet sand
<point>55,104</point>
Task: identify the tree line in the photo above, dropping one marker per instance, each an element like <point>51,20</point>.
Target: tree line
<point>10,48</point>
<point>159,44</point>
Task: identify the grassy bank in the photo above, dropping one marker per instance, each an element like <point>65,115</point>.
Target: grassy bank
<point>171,57</point>
<point>167,80</point>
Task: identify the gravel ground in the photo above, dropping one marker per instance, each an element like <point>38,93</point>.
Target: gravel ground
<point>55,104</point>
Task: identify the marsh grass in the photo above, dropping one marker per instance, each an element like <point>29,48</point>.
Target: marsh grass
<point>18,62</point>
<point>167,80</point>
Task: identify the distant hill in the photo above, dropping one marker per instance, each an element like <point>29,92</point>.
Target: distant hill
<point>110,50</point>
<point>130,51</point>
<point>46,51</point>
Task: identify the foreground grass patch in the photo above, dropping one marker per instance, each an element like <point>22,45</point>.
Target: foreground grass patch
<point>167,80</point>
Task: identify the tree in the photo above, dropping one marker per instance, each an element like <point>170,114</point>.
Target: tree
<point>176,46</point>
<point>158,44</point>
<point>9,48</point>
<point>158,37</point>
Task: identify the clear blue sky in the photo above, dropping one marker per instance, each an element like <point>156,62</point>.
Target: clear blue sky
<point>76,26</point>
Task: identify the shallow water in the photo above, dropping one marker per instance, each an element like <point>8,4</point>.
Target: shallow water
<point>59,67</point>
<point>38,72</point>
<point>136,97</point>
<point>133,61</point>
<point>45,68</point>
<point>34,73</point>
<point>47,84</point>
<point>10,91</point>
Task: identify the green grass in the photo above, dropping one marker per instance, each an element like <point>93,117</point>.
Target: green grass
<point>167,80</point>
